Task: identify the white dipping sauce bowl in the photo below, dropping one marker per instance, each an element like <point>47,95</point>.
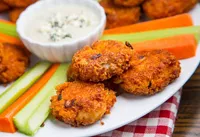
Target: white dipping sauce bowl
<point>64,51</point>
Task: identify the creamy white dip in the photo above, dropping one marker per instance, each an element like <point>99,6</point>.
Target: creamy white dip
<point>61,23</point>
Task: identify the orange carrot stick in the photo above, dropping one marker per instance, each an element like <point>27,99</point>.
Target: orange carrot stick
<point>182,46</point>
<point>6,122</point>
<point>170,22</point>
<point>7,22</point>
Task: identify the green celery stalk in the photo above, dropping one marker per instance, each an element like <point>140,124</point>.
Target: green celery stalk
<point>22,84</point>
<point>35,121</point>
<point>38,107</point>
<point>151,35</point>
<point>8,29</point>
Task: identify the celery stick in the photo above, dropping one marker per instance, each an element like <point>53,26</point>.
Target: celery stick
<point>151,35</point>
<point>8,29</point>
<point>41,113</point>
<point>22,118</point>
<point>22,84</point>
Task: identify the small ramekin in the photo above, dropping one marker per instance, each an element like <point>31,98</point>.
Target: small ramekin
<point>62,52</point>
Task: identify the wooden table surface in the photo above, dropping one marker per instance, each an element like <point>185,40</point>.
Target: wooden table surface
<point>188,118</point>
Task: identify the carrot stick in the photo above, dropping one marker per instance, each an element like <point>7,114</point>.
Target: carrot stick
<point>6,122</point>
<point>182,46</point>
<point>7,22</point>
<point>170,22</point>
<point>12,40</point>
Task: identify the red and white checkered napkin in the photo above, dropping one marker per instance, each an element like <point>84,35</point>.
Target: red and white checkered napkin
<point>158,123</point>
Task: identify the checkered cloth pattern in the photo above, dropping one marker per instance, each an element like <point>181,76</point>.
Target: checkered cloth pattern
<point>158,123</point>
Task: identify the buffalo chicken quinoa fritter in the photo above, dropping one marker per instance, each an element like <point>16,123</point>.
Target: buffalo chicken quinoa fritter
<point>155,9</point>
<point>13,62</point>
<point>150,72</point>
<point>128,3</point>
<point>79,103</point>
<point>100,62</point>
<point>119,16</point>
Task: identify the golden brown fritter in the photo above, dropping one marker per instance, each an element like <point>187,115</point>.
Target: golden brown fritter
<point>150,72</point>
<point>19,3</point>
<point>155,9</point>
<point>119,16</point>
<point>13,62</point>
<point>128,3</point>
<point>15,13</point>
<point>79,104</point>
<point>100,62</point>
<point>3,6</point>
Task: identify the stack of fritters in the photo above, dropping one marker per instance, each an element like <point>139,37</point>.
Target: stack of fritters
<point>126,12</point>
<point>85,99</point>
<point>140,73</point>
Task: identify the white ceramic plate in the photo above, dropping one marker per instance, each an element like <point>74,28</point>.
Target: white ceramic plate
<point>127,109</point>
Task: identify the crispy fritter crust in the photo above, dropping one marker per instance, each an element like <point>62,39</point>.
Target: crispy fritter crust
<point>19,3</point>
<point>100,62</point>
<point>128,3</point>
<point>150,72</point>
<point>13,62</point>
<point>3,6</point>
<point>119,16</point>
<point>15,13</point>
<point>79,104</point>
<point>155,9</point>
